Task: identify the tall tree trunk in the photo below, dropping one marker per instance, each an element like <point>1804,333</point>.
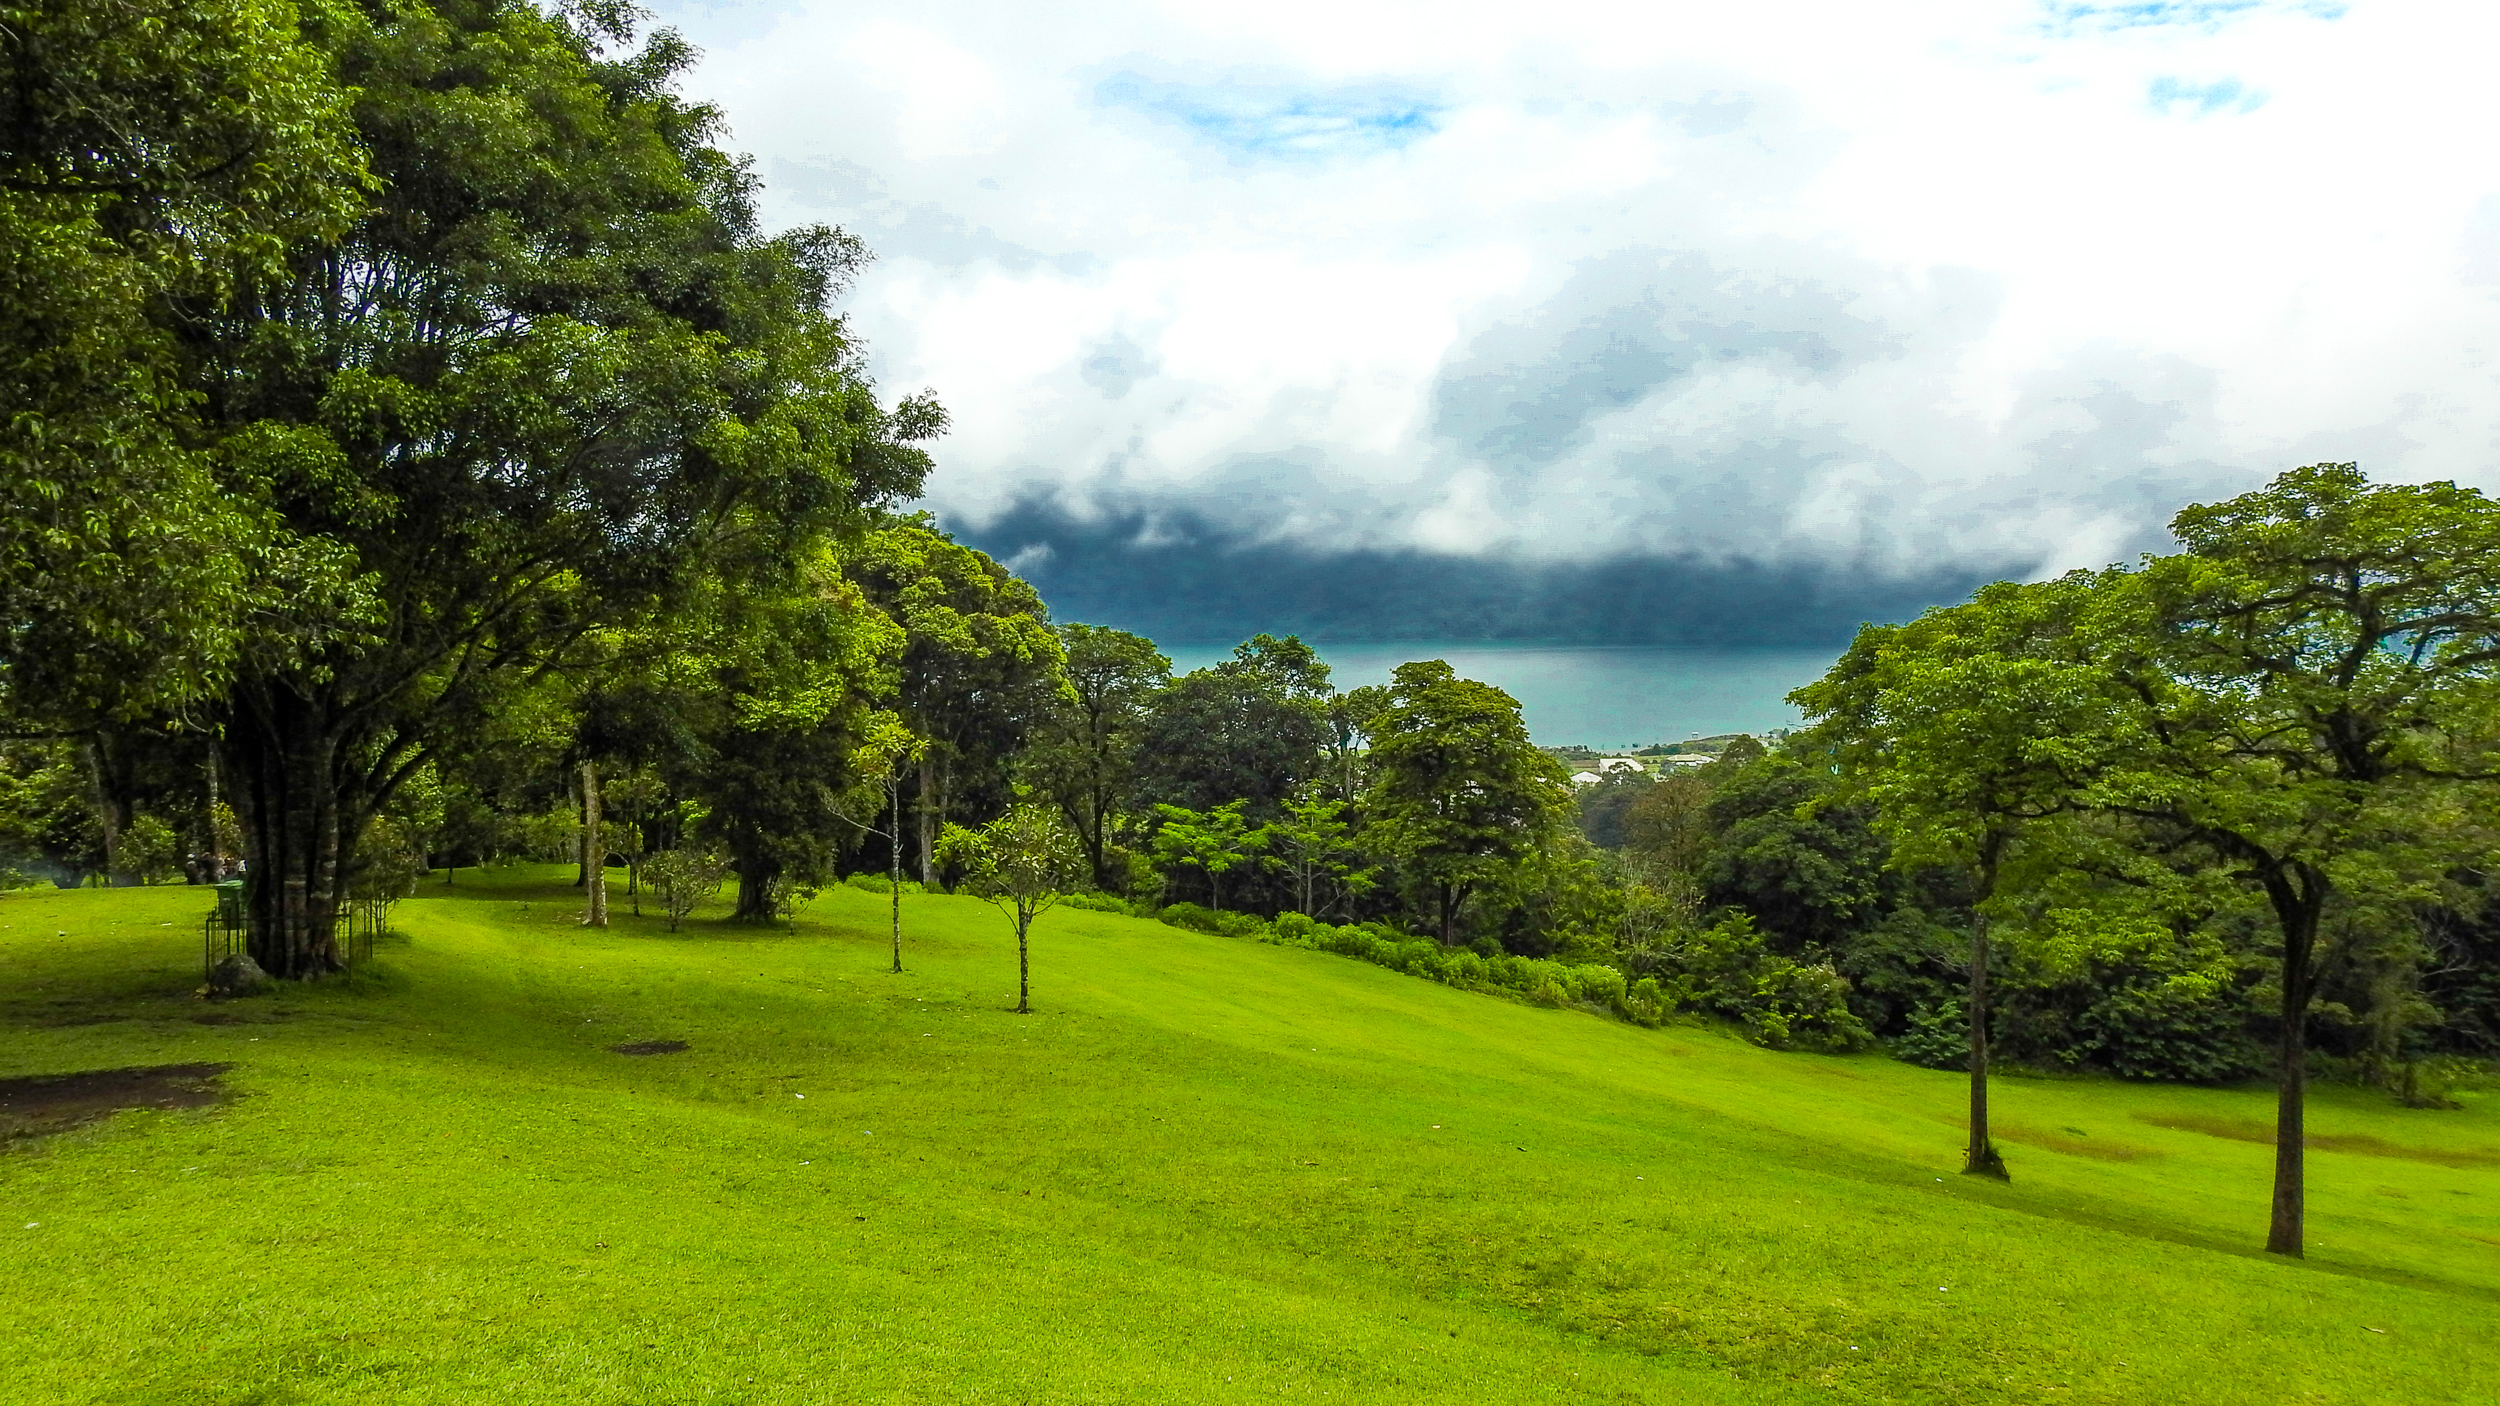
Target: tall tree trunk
<point>2291,1075</point>
<point>925,811</point>
<point>1981,1157</point>
<point>594,849</point>
<point>282,749</point>
<point>894,861</point>
<point>112,811</point>
<point>216,850</point>
<point>581,837</point>
<point>755,888</point>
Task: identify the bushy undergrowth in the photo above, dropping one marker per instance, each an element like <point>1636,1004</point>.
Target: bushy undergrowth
<point>879,883</point>
<point>1727,974</point>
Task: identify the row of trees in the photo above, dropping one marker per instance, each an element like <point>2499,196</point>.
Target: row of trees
<point>2277,743</point>
<point>414,421</point>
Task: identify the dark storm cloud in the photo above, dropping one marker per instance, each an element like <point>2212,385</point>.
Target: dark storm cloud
<point>1179,577</point>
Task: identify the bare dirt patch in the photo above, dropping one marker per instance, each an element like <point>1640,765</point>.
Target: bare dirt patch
<point>651,1047</point>
<point>35,1105</point>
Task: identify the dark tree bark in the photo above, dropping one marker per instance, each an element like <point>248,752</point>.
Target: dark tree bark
<point>1024,962</point>
<point>282,753</point>
<point>108,774</point>
<point>2299,900</point>
<point>1452,898</point>
<point>756,872</point>
<point>1981,1157</point>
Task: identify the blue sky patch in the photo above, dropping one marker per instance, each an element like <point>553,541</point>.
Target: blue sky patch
<point>1279,123</point>
<point>2067,17</point>
<point>2177,97</point>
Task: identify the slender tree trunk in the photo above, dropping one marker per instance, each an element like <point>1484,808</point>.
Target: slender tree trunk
<point>581,809</point>
<point>2286,1236</point>
<point>1024,963</point>
<point>594,850</point>
<point>894,862</point>
<point>925,810</point>
<point>216,851</point>
<point>1981,1157</point>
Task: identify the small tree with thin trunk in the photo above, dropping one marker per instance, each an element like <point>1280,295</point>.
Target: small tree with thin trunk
<point>1025,862</point>
<point>684,878</point>
<point>889,751</point>
<point>1314,845</point>
<point>1964,738</point>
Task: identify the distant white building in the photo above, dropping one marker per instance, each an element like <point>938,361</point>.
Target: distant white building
<point>1685,759</point>
<point>1610,765</point>
<point>1585,778</point>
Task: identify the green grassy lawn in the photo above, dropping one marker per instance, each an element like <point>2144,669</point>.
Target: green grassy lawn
<point>1204,1170</point>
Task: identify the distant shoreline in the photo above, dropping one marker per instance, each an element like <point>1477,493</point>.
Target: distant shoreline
<point>1602,696</point>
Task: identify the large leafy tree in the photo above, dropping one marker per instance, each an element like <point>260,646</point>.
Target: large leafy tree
<point>1084,756</point>
<point>1808,865</point>
<point>783,693</point>
<point>1459,795</point>
<point>2301,690</point>
<point>550,381</point>
<point>980,664</point>
<point>1251,728</point>
<point>155,153</point>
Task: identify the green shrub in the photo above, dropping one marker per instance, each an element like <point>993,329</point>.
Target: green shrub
<point>1727,971</point>
<point>879,883</point>
<point>1938,1037</point>
<point>1197,918</point>
<point>1097,902</point>
<point>1724,969</point>
<point>2181,1028</point>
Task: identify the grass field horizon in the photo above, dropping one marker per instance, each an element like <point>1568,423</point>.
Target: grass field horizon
<point>1204,1169</point>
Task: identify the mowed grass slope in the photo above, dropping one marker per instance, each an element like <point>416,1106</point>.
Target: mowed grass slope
<point>1204,1170</point>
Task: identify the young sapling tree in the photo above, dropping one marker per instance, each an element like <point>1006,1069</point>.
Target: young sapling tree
<point>1024,862</point>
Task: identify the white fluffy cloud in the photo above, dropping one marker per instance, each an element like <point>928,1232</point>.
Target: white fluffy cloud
<point>1965,280</point>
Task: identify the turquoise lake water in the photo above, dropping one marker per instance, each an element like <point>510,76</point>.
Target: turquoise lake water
<point>1603,696</point>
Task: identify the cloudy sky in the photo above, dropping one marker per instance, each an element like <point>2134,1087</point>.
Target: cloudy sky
<point>1855,303</point>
